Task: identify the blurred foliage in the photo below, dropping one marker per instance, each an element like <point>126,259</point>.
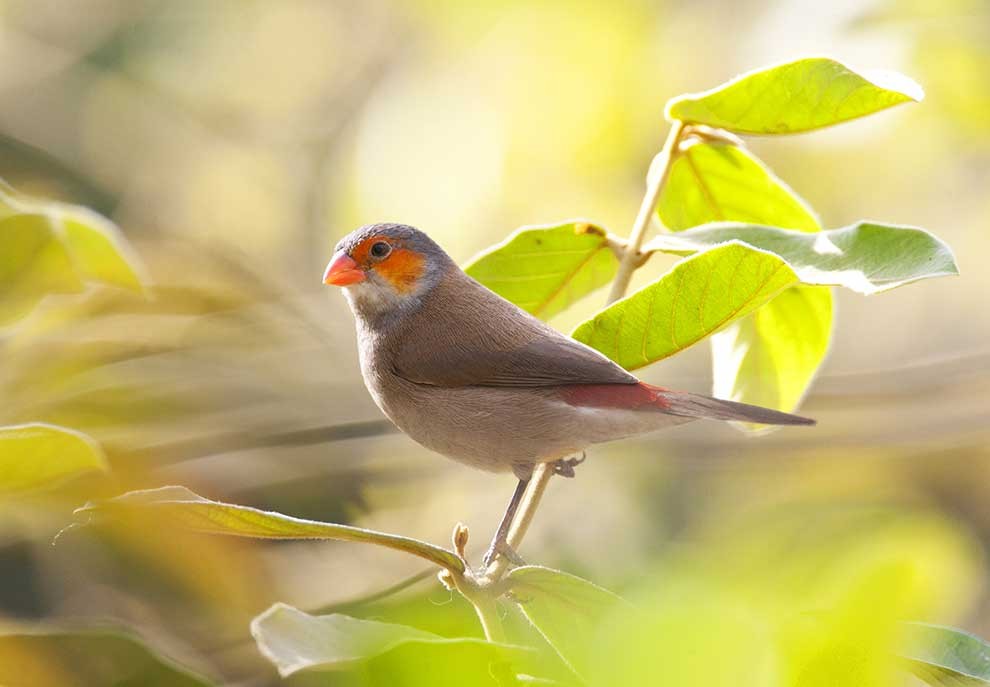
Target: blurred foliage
<point>54,455</point>
<point>234,142</point>
<point>179,506</point>
<point>51,248</point>
<point>87,658</point>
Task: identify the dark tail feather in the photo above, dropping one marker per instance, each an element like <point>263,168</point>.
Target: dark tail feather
<point>695,405</point>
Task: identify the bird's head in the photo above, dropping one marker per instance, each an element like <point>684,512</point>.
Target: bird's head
<point>386,268</point>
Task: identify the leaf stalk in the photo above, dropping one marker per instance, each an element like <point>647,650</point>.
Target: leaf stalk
<point>655,180</point>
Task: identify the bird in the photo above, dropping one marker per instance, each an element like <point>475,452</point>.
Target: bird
<point>471,376</point>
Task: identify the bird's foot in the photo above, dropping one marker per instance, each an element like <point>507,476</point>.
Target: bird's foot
<point>565,466</point>
<point>501,548</point>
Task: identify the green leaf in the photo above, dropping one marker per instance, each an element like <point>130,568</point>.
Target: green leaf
<point>293,640</point>
<point>717,181</point>
<point>803,95</point>
<point>770,358</point>
<point>566,609</point>
<point>39,456</point>
<point>94,658</point>
<point>52,248</point>
<point>182,507</point>
<point>98,248</point>
<point>699,296</point>
<point>33,263</point>
<point>866,257</point>
<point>945,656</point>
<point>545,269</point>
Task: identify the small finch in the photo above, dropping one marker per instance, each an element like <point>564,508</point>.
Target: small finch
<point>469,375</point>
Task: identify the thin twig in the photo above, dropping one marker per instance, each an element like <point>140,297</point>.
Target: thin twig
<point>655,180</point>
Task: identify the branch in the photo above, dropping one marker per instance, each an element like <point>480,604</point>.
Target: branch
<point>655,180</point>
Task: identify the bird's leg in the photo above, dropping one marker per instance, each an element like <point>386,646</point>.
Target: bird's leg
<point>500,543</point>
<point>565,466</point>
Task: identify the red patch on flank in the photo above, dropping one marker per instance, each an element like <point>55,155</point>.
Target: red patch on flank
<point>402,268</point>
<point>629,396</point>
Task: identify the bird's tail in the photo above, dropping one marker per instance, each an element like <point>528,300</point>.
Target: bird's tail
<point>687,404</point>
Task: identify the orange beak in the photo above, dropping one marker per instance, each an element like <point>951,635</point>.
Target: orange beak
<point>343,270</point>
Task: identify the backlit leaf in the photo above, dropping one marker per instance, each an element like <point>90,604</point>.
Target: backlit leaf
<point>39,456</point>
<point>770,358</point>
<point>797,96</point>
<point>945,656</point>
<point>98,248</point>
<point>699,296</point>
<point>865,257</point>
<point>544,269</point>
<point>53,248</point>
<point>566,609</point>
<point>716,181</point>
<point>33,264</point>
<point>293,640</point>
<point>191,511</point>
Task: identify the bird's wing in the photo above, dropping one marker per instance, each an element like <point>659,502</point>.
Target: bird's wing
<point>465,335</point>
<point>538,363</point>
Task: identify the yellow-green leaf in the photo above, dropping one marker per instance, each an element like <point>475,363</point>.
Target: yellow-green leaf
<point>717,181</point>
<point>803,95</point>
<point>866,257</point>
<point>182,507</point>
<point>946,657</point>
<point>88,658</point>
<point>98,248</point>
<point>544,269</point>
<point>770,357</point>
<point>293,640</point>
<point>564,608</point>
<point>33,264</point>
<point>698,297</point>
<point>39,456</point>
<point>53,248</point>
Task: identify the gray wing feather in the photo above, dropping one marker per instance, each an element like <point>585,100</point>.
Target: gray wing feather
<point>466,335</point>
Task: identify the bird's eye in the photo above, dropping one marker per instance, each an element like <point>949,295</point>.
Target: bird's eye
<point>380,249</point>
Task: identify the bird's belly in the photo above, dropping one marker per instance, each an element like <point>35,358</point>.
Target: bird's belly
<point>489,428</point>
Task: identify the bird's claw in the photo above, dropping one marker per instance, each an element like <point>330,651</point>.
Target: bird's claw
<point>565,466</point>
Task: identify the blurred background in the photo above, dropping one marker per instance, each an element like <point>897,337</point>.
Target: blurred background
<point>235,141</point>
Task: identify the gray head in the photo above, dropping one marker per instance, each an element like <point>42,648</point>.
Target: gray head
<point>385,269</point>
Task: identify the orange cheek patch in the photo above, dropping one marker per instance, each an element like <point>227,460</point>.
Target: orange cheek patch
<point>361,251</point>
<point>402,268</point>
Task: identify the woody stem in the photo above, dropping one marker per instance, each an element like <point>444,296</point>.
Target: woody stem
<point>655,180</point>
